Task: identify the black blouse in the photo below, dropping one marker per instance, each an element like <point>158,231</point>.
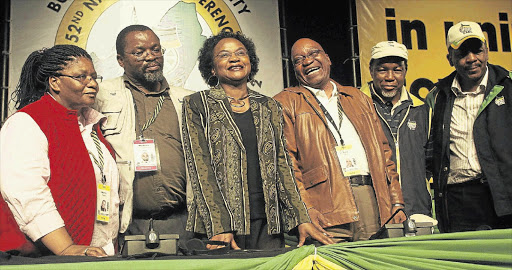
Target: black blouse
<point>245,124</point>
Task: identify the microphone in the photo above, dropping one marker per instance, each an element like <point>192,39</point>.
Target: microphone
<point>152,237</point>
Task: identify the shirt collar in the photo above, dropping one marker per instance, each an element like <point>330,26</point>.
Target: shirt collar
<point>456,89</point>
<point>89,117</point>
<point>164,86</point>
<point>320,92</point>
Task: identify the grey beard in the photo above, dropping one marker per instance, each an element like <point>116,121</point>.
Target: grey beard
<point>153,77</point>
<point>389,94</point>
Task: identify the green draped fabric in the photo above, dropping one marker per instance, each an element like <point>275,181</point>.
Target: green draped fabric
<point>466,250</point>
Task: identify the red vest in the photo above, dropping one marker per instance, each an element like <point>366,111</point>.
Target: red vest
<point>72,180</point>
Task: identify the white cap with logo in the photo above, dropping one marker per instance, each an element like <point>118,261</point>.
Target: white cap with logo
<point>463,31</point>
<point>389,48</point>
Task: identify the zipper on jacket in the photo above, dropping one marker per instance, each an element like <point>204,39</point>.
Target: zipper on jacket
<point>397,139</point>
<point>334,149</point>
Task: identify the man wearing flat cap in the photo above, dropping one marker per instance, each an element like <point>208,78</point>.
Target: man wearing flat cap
<point>340,155</point>
<point>471,137</point>
<point>405,121</point>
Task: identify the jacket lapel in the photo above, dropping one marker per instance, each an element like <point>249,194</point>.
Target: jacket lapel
<point>496,89</point>
<point>352,113</point>
<point>224,114</point>
<point>257,110</point>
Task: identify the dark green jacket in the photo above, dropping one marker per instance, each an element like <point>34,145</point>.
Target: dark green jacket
<point>492,133</point>
<point>217,164</point>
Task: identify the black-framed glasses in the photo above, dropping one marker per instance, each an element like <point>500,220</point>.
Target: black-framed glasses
<point>140,55</point>
<point>84,79</point>
<point>298,60</point>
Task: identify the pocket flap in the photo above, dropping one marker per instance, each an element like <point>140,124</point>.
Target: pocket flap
<point>314,176</point>
<point>113,113</point>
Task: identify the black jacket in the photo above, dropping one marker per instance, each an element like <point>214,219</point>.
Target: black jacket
<point>409,146</point>
<point>492,133</point>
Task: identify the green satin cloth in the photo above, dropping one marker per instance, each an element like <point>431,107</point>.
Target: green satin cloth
<point>465,250</point>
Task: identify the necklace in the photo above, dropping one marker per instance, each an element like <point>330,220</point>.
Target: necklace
<point>237,102</point>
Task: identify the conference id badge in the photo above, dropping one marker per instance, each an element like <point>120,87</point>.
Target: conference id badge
<point>103,203</point>
<point>347,160</point>
<point>144,151</point>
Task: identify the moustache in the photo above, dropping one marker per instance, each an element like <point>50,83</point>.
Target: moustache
<point>152,64</point>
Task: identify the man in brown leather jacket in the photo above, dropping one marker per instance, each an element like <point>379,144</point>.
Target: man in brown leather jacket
<point>341,157</point>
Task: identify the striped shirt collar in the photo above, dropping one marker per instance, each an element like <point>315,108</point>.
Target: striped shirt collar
<point>457,90</point>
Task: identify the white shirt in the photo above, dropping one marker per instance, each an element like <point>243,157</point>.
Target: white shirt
<point>349,133</point>
<point>464,164</point>
<point>25,173</point>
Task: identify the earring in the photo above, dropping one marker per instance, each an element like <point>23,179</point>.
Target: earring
<point>211,84</point>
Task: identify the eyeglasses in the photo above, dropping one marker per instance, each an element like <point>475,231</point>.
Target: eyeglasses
<point>298,60</point>
<point>140,55</point>
<point>226,55</point>
<point>83,79</point>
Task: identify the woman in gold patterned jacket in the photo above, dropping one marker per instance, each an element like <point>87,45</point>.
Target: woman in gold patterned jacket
<point>240,173</point>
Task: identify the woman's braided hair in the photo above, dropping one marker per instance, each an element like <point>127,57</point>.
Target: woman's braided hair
<point>39,66</point>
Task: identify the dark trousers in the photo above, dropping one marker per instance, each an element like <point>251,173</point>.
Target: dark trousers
<point>470,207</point>
<point>259,237</point>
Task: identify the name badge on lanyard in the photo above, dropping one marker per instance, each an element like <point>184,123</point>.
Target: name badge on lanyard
<point>102,190</point>
<point>103,203</point>
<point>347,161</point>
<point>144,152</point>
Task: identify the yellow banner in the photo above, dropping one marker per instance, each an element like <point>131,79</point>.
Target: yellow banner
<point>422,26</point>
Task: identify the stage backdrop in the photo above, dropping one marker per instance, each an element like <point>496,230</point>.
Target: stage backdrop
<point>181,25</point>
<point>422,26</point>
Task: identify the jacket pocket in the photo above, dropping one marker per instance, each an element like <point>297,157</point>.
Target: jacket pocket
<point>126,180</point>
<point>114,122</point>
<point>318,188</point>
<point>314,177</point>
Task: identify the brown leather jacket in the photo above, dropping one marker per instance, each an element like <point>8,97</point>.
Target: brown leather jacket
<point>312,150</point>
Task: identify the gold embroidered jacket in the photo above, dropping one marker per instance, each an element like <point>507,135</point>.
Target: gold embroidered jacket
<point>217,164</point>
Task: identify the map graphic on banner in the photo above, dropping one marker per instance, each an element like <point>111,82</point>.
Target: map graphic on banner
<point>182,27</point>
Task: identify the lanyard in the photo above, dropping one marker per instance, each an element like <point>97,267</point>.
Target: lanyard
<point>99,161</point>
<point>151,120</point>
<point>330,119</point>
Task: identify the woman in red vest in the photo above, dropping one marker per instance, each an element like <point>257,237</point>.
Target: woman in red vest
<point>57,168</point>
